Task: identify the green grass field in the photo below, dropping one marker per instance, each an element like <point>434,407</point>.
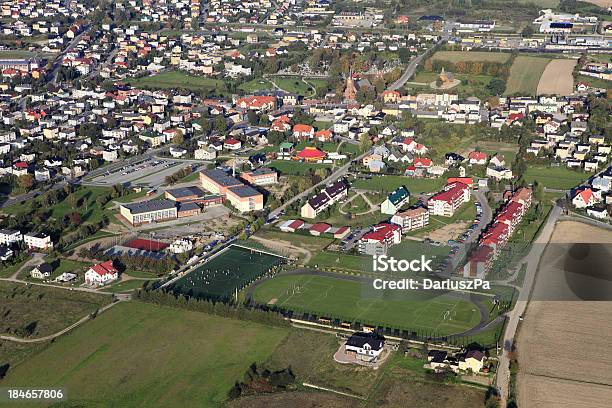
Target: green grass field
<point>560,178</point>
<point>293,85</point>
<point>390,183</point>
<point>218,278</point>
<point>295,168</point>
<point>256,84</point>
<point>62,265</point>
<point>138,355</point>
<point>525,74</point>
<point>350,300</point>
<point>462,56</point>
<point>407,249</point>
<point>177,79</point>
<point>35,311</point>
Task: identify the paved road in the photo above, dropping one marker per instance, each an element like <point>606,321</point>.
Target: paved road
<point>485,219</point>
<point>333,177</point>
<point>532,259</point>
<point>52,75</point>
<point>413,64</point>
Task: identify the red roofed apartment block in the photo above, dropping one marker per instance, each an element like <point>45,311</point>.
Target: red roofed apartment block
<point>448,201</point>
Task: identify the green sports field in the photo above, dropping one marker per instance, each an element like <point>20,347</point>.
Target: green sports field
<point>144,355</point>
<point>232,269</point>
<point>350,300</point>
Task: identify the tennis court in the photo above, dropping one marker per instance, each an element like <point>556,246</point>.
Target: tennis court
<point>230,270</point>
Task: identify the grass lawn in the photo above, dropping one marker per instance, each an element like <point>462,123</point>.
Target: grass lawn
<point>389,183</point>
<point>295,168</point>
<point>125,286</point>
<point>147,355</point>
<point>593,82</point>
<point>345,299</point>
<point>44,309</point>
<point>309,242</point>
<point>293,85</point>
<point>464,56</point>
<point>256,84</point>
<point>97,235</point>
<point>6,271</point>
<point>177,79</point>
<point>525,75</point>
<point>66,265</point>
<point>560,177</point>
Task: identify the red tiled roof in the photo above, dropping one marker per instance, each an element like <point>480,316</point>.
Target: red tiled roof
<point>320,227</point>
<point>311,153</point>
<point>104,268</point>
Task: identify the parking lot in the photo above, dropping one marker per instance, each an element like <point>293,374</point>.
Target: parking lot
<point>150,172</point>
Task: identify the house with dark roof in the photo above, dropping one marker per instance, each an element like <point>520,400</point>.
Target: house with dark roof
<point>41,271</point>
<point>365,346</point>
<point>326,198</point>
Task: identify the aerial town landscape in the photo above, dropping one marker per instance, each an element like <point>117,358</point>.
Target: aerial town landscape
<point>307,203</point>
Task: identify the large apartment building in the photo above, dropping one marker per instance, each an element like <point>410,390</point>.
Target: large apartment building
<point>325,199</point>
<point>446,202</point>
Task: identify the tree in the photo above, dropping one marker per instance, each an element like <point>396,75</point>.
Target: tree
<point>497,86</point>
<point>364,142</point>
<point>220,124</point>
<point>26,182</point>
<point>527,31</point>
<point>178,138</point>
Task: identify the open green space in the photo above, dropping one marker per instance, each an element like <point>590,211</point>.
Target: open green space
<point>125,286</point>
<point>351,300</point>
<point>196,358</point>
<point>464,56</point>
<point>293,85</point>
<point>61,265</point>
<point>256,84</point>
<point>387,183</point>
<point>290,167</point>
<point>594,82</point>
<point>225,273</point>
<point>525,74</point>
<point>180,80</point>
<point>35,311</point>
<point>560,177</point>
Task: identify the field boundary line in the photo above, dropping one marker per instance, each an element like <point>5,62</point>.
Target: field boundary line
<point>346,394</point>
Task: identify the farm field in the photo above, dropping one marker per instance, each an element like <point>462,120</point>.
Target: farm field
<point>390,183</point>
<point>525,75</point>
<point>463,56</point>
<point>557,78</point>
<point>344,299</point>
<point>177,79</point>
<point>36,311</point>
<point>575,373</point>
<point>194,364</point>
<point>219,277</point>
<point>560,178</point>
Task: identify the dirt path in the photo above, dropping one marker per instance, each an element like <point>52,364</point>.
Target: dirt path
<point>59,333</point>
<point>36,259</point>
<point>373,207</point>
<point>557,78</point>
<point>284,247</point>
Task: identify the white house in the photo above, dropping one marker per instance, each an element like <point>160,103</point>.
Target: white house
<point>38,240</point>
<point>101,274</point>
<point>365,346</point>
<point>41,271</point>
<point>10,237</point>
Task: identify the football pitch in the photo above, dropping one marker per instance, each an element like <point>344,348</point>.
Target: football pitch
<point>230,270</point>
<point>348,300</point>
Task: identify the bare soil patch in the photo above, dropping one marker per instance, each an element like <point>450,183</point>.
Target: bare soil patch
<point>562,345</point>
<point>557,78</point>
<point>600,3</point>
<point>449,231</point>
